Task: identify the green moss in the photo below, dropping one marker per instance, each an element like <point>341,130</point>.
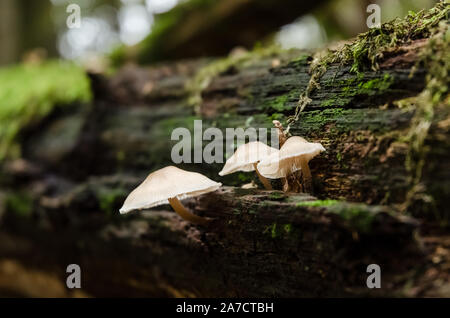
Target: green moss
<point>301,60</point>
<point>357,86</point>
<point>318,203</point>
<point>20,204</point>
<point>274,231</point>
<point>277,196</point>
<point>205,75</point>
<point>335,102</point>
<point>376,85</point>
<point>244,177</point>
<point>434,58</point>
<point>287,228</point>
<point>317,119</point>
<point>278,103</point>
<point>108,199</point>
<point>277,231</point>
<point>28,93</point>
<point>358,216</point>
<point>368,48</point>
<point>276,116</point>
<point>365,52</point>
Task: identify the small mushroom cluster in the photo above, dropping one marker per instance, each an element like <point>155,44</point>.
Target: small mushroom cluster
<point>171,184</point>
<point>294,155</point>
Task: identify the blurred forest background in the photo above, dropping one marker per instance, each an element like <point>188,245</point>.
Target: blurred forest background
<point>130,28</point>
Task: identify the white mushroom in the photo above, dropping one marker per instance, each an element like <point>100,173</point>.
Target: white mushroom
<point>294,155</point>
<point>168,186</point>
<point>246,157</point>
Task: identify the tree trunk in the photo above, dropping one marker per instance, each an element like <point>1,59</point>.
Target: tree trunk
<point>62,198</point>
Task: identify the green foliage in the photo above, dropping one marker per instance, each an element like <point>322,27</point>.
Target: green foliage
<point>19,203</point>
<point>30,92</point>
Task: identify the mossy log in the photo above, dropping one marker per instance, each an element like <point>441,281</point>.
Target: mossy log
<point>259,243</point>
<point>356,117</point>
<point>387,157</point>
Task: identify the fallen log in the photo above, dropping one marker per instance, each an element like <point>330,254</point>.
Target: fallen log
<point>386,134</point>
<point>260,244</point>
<point>355,117</point>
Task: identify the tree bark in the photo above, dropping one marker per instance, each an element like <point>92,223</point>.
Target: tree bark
<point>259,244</point>
<point>78,167</point>
<point>353,116</point>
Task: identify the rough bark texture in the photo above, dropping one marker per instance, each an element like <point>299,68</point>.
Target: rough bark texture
<point>62,197</point>
<point>353,116</point>
<point>295,246</point>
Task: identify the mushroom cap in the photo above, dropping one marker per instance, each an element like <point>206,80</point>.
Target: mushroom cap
<point>245,156</point>
<point>276,123</point>
<point>288,159</point>
<point>168,182</point>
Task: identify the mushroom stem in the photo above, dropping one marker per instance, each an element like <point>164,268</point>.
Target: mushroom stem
<point>281,134</point>
<point>263,180</point>
<point>285,184</point>
<point>185,213</point>
<point>306,176</point>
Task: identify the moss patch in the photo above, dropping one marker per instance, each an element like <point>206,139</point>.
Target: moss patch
<point>277,196</point>
<point>277,231</point>
<point>204,76</point>
<point>367,49</point>
<point>30,92</point>
<point>434,57</point>
<point>359,216</point>
<point>19,203</point>
<point>318,203</point>
<point>358,86</point>
<point>110,199</point>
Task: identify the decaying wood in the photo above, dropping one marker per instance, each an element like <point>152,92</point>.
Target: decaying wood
<point>79,165</point>
<point>261,243</point>
<point>362,131</point>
